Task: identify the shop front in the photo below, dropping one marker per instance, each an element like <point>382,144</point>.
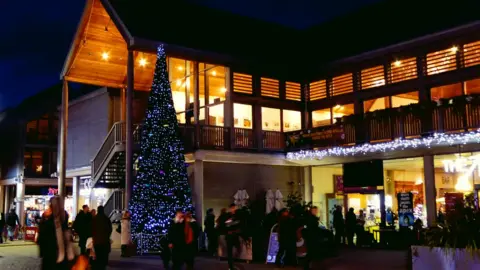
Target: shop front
<point>37,199</point>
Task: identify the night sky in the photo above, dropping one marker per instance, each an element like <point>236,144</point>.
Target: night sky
<point>36,35</point>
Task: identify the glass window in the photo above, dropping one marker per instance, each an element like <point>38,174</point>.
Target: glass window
<point>242,116</point>
<point>342,110</point>
<point>404,99</point>
<point>376,104</point>
<point>181,78</point>
<point>342,84</point>
<point>181,118</point>
<point>215,115</point>
<point>321,117</point>
<point>271,119</point>
<point>472,87</point>
<point>446,91</point>
<point>402,70</point>
<point>373,77</point>
<point>442,61</point>
<point>471,54</point>
<point>292,120</point>
<point>33,162</point>
<point>216,82</point>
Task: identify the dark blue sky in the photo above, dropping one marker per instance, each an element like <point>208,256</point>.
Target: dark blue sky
<point>35,35</point>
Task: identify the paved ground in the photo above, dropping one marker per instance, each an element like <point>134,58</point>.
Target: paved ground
<point>25,257</point>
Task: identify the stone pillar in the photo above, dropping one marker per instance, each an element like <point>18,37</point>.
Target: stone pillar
<point>307,184</point>
<point>62,148</point>
<point>198,191</point>
<point>75,195</point>
<point>20,197</point>
<point>429,190</point>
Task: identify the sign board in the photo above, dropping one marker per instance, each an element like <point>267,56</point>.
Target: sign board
<point>338,184</point>
<point>451,199</point>
<point>30,233</point>
<point>405,209</point>
<point>316,137</point>
<point>272,247</point>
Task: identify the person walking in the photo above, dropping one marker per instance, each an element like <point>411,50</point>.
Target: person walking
<point>101,232</point>
<point>176,241</point>
<point>83,227</point>
<point>350,225</point>
<point>12,221</point>
<point>211,232</point>
<point>125,233</point>
<point>2,225</point>
<point>286,240</point>
<point>339,225</point>
<point>232,225</point>
<point>311,236</point>
<point>191,233</point>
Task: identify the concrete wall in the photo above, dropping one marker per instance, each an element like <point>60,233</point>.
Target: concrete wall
<point>88,124</point>
<point>222,180</point>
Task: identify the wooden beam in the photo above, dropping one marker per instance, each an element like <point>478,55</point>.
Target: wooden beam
<point>98,82</point>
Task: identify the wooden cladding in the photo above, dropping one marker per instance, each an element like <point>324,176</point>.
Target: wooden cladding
<point>402,70</point>
<point>342,84</point>
<point>373,77</point>
<point>242,83</point>
<point>269,87</point>
<point>318,90</point>
<point>442,61</point>
<point>293,91</point>
<point>471,54</point>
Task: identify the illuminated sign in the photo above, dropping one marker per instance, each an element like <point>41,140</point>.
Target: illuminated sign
<point>466,166</point>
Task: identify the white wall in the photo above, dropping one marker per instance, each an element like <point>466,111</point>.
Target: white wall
<point>322,181</point>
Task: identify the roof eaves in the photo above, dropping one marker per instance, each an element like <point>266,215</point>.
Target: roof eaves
<point>127,36</point>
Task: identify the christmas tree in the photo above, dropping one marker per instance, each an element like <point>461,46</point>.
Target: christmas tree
<point>161,186</point>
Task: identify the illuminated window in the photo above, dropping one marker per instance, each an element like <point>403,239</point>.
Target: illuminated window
<point>242,116</point>
<point>216,83</point>
<point>342,84</point>
<point>376,104</point>
<point>242,83</point>
<point>471,54</point>
<point>472,87</point>
<point>271,119</point>
<point>402,70</point>
<point>293,91</point>
<point>321,117</point>
<point>442,61</point>
<point>215,115</point>
<point>181,79</point>
<point>404,99</point>
<point>373,77</point>
<point>342,110</point>
<point>446,91</point>
<point>292,120</point>
<point>269,87</point>
<point>33,162</point>
<point>318,90</point>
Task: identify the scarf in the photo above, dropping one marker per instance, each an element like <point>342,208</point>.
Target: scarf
<point>188,233</point>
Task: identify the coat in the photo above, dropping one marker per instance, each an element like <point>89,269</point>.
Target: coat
<point>126,233</point>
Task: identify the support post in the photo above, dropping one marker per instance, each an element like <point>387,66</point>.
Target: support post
<point>7,200</point>
<point>123,100</point>
<point>198,191</point>
<point>129,129</point>
<point>62,149</point>
<point>2,199</point>
<point>19,199</point>
<point>76,194</point>
<point>430,192</point>
<point>307,184</point>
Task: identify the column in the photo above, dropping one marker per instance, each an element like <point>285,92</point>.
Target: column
<point>123,99</point>
<point>307,184</point>
<point>429,189</point>
<point>7,200</point>
<point>62,148</point>
<point>228,110</point>
<point>257,126</point>
<point>129,129</point>
<point>75,195</point>
<point>19,198</point>
<point>2,199</point>
<point>198,191</point>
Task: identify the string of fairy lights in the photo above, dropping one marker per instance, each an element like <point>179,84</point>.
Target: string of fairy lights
<point>437,139</point>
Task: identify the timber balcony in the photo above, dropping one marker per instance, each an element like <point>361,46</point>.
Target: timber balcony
<point>459,114</point>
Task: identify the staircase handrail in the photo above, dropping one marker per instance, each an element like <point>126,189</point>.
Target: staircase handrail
<point>115,135</point>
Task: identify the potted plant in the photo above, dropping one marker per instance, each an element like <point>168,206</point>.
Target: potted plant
<point>454,244</point>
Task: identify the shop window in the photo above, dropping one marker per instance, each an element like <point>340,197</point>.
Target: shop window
<point>376,104</point>
<point>271,119</point>
<point>242,116</point>
<point>318,90</point>
<point>321,117</point>
<point>269,87</point>
<point>442,61</point>
<point>446,91</point>
<point>471,54</point>
<point>373,77</point>
<point>342,84</point>
<point>242,83</point>
<point>404,99</point>
<point>342,110</point>
<point>402,70</point>
<point>292,120</point>
<point>293,91</point>
<point>472,87</point>
<point>215,115</point>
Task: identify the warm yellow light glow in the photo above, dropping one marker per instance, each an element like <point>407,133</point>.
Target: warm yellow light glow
<point>142,62</point>
<point>419,181</point>
<point>337,106</point>
<point>454,49</point>
<point>463,185</point>
<point>223,89</point>
<point>214,73</point>
<point>179,82</point>
<point>397,63</point>
<point>180,68</point>
<point>105,56</point>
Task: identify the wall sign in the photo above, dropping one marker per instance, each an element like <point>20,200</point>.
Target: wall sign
<point>462,165</point>
<point>338,184</point>
<point>405,209</point>
<point>272,248</point>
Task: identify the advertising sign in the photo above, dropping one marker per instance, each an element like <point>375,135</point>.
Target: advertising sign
<point>405,209</point>
<point>451,199</point>
<point>316,137</point>
<point>30,233</point>
<point>338,184</point>
<point>272,248</point>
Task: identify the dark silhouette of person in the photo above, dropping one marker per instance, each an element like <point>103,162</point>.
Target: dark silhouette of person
<point>350,225</point>
<point>101,231</point>
<point>83,227</point>
<point>211,232</point>
<point>286,254</point>
<point>338,224</point>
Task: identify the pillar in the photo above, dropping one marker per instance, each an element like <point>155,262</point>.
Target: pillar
<point>123,99</point>
<point>75,195</point>
<point>2,199</point>
<point>20,198</point>
<point>307,184</point>
<point>6,205</point>
<point>62,148</point>
<point>129,129</point>
<point>429,189</point>
<point>198,191</point>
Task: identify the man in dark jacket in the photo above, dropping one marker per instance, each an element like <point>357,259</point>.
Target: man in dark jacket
<point>211,232</point>
<point>12,221</point>
<point>101,231</point>
<point>83,227</point>
<point>338,224</point>
<point>232,225</point>
<point>311,235</point>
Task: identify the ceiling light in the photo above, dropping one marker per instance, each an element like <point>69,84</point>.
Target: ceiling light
<point>180,68</point>
<point>223,89</point>
<point>142,62</point>
<point>214,73</point>
<point>179,82</point>
<point>105,56</point>
<point>454,49</point>
<point>337,106</point>
<point>397,63</point>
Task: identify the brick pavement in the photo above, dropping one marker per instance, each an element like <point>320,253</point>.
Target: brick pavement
<point>26,258</point>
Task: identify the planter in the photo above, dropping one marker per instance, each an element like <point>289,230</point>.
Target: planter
<point>426,258</point>
<point>244,253</point>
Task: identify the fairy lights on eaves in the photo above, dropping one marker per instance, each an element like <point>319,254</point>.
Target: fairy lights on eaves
<point>438,139</point>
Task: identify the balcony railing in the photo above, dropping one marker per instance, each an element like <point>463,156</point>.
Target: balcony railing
<point>458,114</point>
